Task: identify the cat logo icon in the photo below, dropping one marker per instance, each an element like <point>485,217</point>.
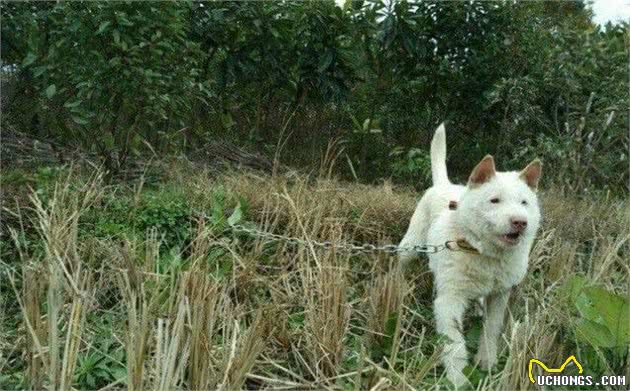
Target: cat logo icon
<point>552,370</point>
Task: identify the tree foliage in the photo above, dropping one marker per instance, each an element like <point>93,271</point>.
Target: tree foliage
<point>513,78</point>
<point>119,73</point>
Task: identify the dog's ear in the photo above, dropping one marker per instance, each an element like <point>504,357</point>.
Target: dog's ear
<point>531,174</point>
<point>482,173</point>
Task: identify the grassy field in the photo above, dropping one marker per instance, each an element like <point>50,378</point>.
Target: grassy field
<point>146,286</point>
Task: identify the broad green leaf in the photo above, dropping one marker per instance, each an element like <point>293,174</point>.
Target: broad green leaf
<point>218,208</point>
<point>572,288</point>
<point>613,312</point>
<point>50,91</point>
<point>236,216</point>
<point>594,333</point>
<point>587,310</point>
<point>355,122</point>
<point>29,59</point>
<point>71,105</point>
<point>124,21</point>
<point>80,121</point>
<point>38,71</point>
<point>227,120</point>
<point>325,62</point>
<point>102,27</point>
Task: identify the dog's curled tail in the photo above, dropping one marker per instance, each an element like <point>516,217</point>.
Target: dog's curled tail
<point>438,157</point>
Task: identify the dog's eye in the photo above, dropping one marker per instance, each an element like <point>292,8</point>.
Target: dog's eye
<point>495,200</point>
<point>524,202</point>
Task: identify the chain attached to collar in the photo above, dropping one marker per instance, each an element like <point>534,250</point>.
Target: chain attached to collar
<point>351,247</point>
<point>452,245</point>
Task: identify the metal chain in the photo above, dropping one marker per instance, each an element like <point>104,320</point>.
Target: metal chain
<point>351,247</point>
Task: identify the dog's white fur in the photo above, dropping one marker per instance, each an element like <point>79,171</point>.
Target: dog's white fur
<point>489,208</point>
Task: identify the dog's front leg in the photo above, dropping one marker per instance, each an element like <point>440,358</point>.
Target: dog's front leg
<point>492,326</point>
<point>449,311</point>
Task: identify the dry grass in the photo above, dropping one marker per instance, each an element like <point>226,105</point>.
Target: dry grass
<point>283,317</point>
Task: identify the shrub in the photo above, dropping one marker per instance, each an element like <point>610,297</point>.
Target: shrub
<point>112,75</point>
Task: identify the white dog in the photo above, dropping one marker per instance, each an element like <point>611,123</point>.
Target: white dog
<point>495,218</point>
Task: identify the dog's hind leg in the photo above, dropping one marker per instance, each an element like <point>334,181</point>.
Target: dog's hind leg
<point>449,311</point>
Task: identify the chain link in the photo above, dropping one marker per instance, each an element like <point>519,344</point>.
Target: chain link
<point>351,247</point>
<point>327,245</point>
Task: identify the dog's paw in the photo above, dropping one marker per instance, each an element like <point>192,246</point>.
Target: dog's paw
<point>485,361</point>
<point>455,359</point>
<point>457,377</point>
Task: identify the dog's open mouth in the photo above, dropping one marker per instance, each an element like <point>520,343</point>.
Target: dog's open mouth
<point>511,238</point>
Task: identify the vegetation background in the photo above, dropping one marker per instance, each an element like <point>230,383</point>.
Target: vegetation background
<point>516,79</point>
<point>123,270</point>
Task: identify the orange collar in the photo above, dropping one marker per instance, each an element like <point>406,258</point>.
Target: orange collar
<point>461,245</point>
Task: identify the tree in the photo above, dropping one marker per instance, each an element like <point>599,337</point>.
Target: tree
<point>114,75</point>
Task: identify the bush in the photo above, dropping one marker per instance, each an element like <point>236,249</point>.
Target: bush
<point>111,76</point>
<point>127,216</point>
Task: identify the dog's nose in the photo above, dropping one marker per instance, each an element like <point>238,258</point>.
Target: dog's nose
<point>518,224</point>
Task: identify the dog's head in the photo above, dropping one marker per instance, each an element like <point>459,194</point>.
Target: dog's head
<point>501,208</point>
